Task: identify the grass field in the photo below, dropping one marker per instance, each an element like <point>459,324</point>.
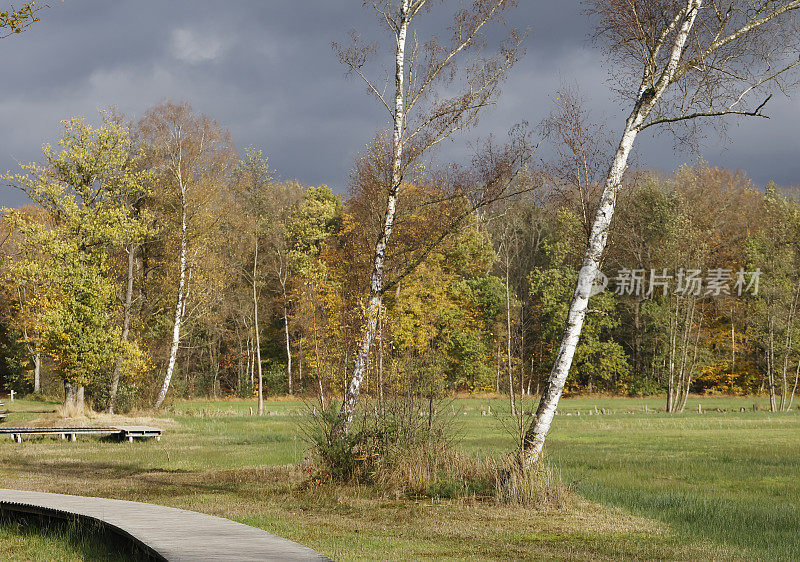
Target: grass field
<point>60,544</point>
<point>717,485</point>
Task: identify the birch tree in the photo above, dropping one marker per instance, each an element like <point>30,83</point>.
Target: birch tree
<point>189,152</point>
<point>421,118</point>
<point>254,176</point>
<point>266,207</point>
<point>677,61</point>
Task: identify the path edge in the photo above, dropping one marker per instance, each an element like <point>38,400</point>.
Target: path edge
<point>10,510</point>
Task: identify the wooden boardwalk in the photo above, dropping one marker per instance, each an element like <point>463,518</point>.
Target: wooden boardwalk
<point>165,533</point>
<point>127,432</point>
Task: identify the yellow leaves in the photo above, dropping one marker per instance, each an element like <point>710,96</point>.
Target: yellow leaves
<point>15,21</point>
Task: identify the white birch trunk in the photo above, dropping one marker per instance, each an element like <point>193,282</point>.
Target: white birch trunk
<point>508,342</point>
<point>257,337</point>
<point>771,367</point>
<point>794,388</point>
<point>788,350</point>
<point>673,339</point>
<point>648,96</point>
<point>691,367</point>
<point>376,285</point>
<point>179,307</point>
<point>537,432</point>
<point>733,345</point>
<point>286,334</point>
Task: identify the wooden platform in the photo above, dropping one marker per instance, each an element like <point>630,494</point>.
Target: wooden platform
<point>3,412</point>
<point>165,533</point>
<point>128,432</point>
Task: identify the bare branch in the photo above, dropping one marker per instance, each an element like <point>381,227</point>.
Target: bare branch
<point>755,113</point>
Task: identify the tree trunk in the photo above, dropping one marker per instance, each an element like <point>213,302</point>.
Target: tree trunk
<point>788,350</point>
<point>74,403</point>
<point>673,339</point>
<point>380,368</point>
<point>637,338</point>
<point>537,432</point>
<point>497,373</point>
<point>691,367</point>
<point>251,364</point>
<point>33,349</point>
<point>80,402</point>
<point>773,407</point>
<point>286,333</point>
<point>733,347</point>
<point>682,373</point>
<point>126,322</point>
<point>180,306</point>
<point>376,285</point>
<point>257,337</point>
<point>37,367</point>
<point>794,388</point>
<point>522,353</point>
<point>649,93</point>
<point>69,397</point>
<point>508,343</point>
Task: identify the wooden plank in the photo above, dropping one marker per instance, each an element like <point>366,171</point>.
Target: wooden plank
<point>172,534</point>
<point>125,432</point>
<point>84,429</point>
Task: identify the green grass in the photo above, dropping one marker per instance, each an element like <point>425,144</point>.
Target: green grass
<point>731,478</point>
<point>713,486</point>
<point>21,541</point>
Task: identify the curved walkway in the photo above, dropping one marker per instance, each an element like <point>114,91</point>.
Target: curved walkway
<point>165,533</point>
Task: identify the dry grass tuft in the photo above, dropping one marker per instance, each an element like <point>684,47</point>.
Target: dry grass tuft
<point>71,411</point>
<point>449,474</point>
<point>538,487</point>
<point>436,473</point>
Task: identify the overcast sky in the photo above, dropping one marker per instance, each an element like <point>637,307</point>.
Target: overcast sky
<point>265,70</point>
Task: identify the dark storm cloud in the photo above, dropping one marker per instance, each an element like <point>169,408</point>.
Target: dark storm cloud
<point>266,71</point>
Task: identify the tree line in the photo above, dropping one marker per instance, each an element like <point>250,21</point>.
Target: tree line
<point>157,260</point>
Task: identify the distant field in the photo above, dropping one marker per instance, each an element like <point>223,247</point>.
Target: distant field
<point>712,485</point>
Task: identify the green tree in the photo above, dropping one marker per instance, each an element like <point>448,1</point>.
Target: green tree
<point>775,252</point>
<point>85,187</point>
<point>600,362</point>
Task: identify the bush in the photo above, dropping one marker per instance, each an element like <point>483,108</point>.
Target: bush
<point>407,450</point>
<point>275,382</point>
<point>378,435</point>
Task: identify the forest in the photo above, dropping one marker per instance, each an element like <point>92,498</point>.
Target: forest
<point>157,261</point>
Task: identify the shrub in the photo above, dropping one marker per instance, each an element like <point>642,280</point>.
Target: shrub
<point>407,450</point>
<point>379,435</point>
